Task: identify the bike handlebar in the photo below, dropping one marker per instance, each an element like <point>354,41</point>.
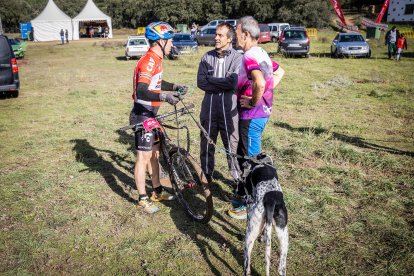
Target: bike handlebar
<point>160,118</point>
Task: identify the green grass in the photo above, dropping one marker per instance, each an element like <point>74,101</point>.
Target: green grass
<point>341,133</point>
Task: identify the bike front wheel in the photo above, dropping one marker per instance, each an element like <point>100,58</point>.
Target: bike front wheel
<point>190,186</point>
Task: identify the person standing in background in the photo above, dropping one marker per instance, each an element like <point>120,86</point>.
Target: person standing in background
<point>391,38</point>
<point>62,36</point>
<point>401,44</point>
<point>67,36</point>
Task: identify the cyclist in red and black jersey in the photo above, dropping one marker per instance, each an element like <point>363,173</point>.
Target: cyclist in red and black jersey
<point>148,94</point>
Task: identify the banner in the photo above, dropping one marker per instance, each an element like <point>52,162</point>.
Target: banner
<point>369,23</point>
<point>338,11</point>
<point>383,9</point>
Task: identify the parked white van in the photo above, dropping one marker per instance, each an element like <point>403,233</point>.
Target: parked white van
<point>276,29</point>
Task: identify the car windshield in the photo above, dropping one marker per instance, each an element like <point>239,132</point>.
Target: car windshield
<point>351,38</point>
<point>4,47</point>
<point>294,34</point>
<point>182,37</point>
<point>137,41</point>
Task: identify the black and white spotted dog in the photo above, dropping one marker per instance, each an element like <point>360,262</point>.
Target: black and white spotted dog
<point>265,207</point>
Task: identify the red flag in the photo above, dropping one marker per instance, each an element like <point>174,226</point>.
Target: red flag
<point>338,11</point>
<point>383,9</point>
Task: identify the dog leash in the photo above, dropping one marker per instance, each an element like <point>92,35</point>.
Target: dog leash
<point>221,149</point>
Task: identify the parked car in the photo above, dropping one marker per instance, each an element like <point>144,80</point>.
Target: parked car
<point>183,44</point>
<point>18,48</point>
<point>214,23</point>
<point>9,72</point>
<point>232,22</point>
<point>294,41</point>
<point>264,33</point>
<point>276,29</point>
<point>206,36</point>
<point>136,46</point>
<point>350,44</point>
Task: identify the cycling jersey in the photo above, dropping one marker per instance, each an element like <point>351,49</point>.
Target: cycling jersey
<point>148,70</point>
<point>256,59</point>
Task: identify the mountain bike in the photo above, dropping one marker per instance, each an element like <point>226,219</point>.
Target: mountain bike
<point>188,181</point>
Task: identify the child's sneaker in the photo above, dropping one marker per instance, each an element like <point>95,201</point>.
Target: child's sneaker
<point>164,195</point>
<point>239,212</point>
<point>148,206</point>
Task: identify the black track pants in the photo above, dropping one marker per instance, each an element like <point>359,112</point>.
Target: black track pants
<point>219,115</point>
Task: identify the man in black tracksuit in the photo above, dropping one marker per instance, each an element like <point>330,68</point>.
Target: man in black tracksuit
<point>217,76</point>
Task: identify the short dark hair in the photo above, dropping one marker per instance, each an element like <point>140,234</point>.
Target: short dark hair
<point>231,33</point>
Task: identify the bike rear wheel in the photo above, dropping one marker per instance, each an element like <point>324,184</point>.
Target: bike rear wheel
<point>190,186</point>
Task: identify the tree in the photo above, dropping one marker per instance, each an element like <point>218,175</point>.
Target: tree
<point>315,13</point>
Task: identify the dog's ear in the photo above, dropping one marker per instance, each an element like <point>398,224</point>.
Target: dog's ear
<point>265,158</point>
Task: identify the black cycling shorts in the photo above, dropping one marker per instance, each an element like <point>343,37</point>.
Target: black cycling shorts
<point>143,140</point>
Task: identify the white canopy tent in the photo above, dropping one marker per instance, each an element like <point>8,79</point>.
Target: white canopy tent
<point>91,14</point>
<point>47,25</point>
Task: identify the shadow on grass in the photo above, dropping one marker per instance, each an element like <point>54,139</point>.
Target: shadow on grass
<point>5,95</point>
<point>407,55</point>
<point>353,140</point>
<point>90,156</point>
<point>321,55</point>
<point>212,244</point>
<point>209,241</point>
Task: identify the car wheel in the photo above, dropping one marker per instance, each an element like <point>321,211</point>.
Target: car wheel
<point>369,54</point>
<point>335,54</point>
<point>15,93</point>
<point>274,39</point>
<point>307,55</point>
<point>196,41</point>
<point>127,57</point>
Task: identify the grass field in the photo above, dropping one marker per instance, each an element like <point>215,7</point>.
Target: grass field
<point>341,134</point>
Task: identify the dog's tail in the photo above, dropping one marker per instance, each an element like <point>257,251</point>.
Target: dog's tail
<point>270,201</point>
